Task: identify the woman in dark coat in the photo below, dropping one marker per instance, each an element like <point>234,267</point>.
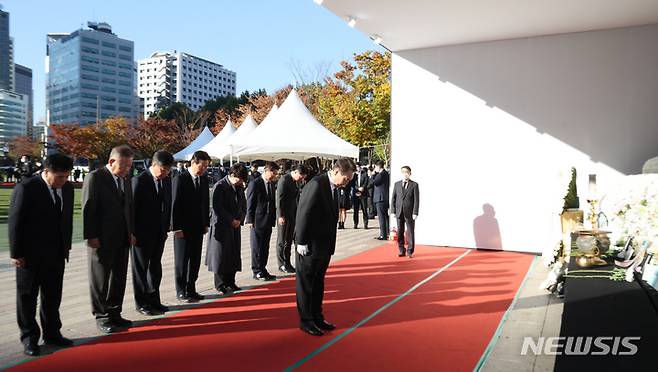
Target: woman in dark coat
<point>344,202</point>
<point>228,209</point>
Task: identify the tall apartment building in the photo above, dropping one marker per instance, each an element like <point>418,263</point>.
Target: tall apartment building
<point>6,53</point>
<point>90,76</point>
<point>13,116</point>
<point>165,78</point>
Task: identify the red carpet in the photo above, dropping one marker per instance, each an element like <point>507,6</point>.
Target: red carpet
<point>445,323</point>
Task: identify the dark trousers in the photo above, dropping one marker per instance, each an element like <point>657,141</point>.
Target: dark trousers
<point>411,230</point>
<point>260,249</point>
<point>284,237</point>
<point>224,279</point>
<point>43,279</point>
<point>147,273</point>
<point>107,280</point>
<point>310,272</point>
<point>361,204</point>
<point>372,212</point>
<point>187,260</point>
<point>382,215</point>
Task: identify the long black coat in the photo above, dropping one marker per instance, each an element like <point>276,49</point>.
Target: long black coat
<point>34,232</point>
<point>223,247</point>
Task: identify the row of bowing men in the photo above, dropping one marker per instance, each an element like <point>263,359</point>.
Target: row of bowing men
<point>134,216</point>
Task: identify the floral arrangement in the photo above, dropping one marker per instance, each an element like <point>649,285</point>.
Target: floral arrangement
<point>635,213</point>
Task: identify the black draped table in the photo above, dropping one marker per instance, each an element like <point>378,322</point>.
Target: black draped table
<point>600,307</point>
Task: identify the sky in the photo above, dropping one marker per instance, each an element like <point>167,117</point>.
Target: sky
<point>261,40</point>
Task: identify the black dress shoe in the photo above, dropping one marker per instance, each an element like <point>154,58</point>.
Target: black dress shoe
<point>194,296</point>
<point>381,238</point>
<point>401,254</point>
<point>107,327</point>
<point>356,227</point>
<point>365,227</point>
<point>121,322</point>
<point>411,255</point>
<point>182,297</point>
<point>160,307</point>
<point>233,287</point>
<point>31,349</point>
<point>287,269</point>
<point>149,311</point>
<point>60,341</point>
<point>324,325</point>
<point>311,329</point>
<point>264,276</point>
<point>223,289</point>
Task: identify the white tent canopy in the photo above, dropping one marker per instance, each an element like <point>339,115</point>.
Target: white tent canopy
<point>293,133</point>
<point>203,138</point>
<point>247,126</point>
<point>216,146</point>
<point>242,139</point>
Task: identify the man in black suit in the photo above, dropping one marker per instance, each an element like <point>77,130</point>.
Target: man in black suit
<point>107,210</point>
<point>287,196</point>
<point>405,203</point>
<point>261,217</point>
<point>40,226</point>
<point>381,180</point>
<point>228,208</point>
<point>315,236</point>
<point>152,198</point>
<point>360,198</point>
<point>190,218</point>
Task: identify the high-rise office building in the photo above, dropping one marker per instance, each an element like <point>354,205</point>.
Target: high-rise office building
<point>6,53</point>
<point>23,85</point>
<point>165,78</point>
<point>90,76</point>
<point>13,115</point>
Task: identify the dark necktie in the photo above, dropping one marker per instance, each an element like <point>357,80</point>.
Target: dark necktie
<point>196,183</point>
<point>161,195</point>
<point>404,185</point>
<point>58,201</point>
<point>336,195</point>
<point>122,194</point>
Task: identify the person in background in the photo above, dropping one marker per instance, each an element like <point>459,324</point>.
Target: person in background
<point>381,181</point>
<point>372,212</point>
<point>107,213</point>
<point>152,199</point>
<point>261,217</point>
<point>190,218</point>
<point>404,204</point>
<point>360,197</point>
<point>315,236</point>
<point>287,197</point>
<point>228,207</point>
<point>40,228</point>
<point>344,203</point>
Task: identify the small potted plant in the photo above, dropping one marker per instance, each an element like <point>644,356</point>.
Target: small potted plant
<point>571,214</point>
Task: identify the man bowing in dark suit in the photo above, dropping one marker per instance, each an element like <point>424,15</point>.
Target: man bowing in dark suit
<point>40,226</point>
<point>315,235</point>
<point>381,181</point>
<point>261,216</point>
<point>190,218</point>
<point>287,196</point>
<point>228,207</point>
<point>405,208</point>
<point>107,212</point>
<point>152,198</point>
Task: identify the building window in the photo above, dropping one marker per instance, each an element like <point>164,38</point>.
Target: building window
<point>89,40</point>
<point>125,48</point>
<point>90,50</point>
<point>109,45</point>
<point>107,53</point>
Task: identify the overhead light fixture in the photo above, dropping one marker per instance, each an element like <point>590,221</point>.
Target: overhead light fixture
<point>376,39</point>
<point>351,22</point>
<point>319,2</point>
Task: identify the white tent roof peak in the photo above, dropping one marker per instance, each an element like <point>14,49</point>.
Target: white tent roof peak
<point>293,133</point>
<point>216,147</point>
<point>202,139</point>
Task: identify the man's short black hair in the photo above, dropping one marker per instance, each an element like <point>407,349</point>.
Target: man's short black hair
<point>380,163</point>
<point>406,167</point>
<point>200,156</point>
<point>122,151</point>
<point>239,170</point>
<point>303,170</point>
<point>344,165</point>
<point>163,158</point>
<point>58,163</point>
<point>270,165</point>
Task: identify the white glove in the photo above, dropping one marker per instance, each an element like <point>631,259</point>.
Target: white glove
<point>302,249</point>
<point>415,216</point>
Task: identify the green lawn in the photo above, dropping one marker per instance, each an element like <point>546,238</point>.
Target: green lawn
<point>5,197</point>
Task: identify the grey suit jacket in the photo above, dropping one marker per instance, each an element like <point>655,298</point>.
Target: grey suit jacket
<point>105,216</point>
<point>405,202</point>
